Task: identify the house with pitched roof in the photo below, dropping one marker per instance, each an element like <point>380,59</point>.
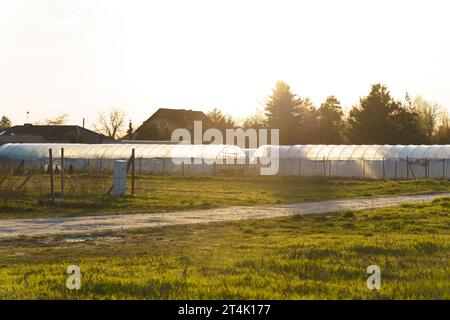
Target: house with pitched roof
<point>164,121</point>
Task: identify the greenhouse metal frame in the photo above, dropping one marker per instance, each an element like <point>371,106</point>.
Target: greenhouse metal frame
<point>361,161</point>
<point>344,161</point>
<point>149,158</point>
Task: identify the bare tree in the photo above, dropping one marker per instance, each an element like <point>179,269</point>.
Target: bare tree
<point>5,122</point>
<point>442,135</point>
<point>255,121</point>
<point>57,121</point>
<point>110,123</point>
<point>429,113</point>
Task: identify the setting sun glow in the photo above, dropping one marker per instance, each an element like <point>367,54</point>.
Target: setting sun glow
<point>88,56</point>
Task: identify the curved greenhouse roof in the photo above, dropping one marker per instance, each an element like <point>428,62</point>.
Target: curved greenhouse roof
<point>19,151</point>
<point>356,152</point>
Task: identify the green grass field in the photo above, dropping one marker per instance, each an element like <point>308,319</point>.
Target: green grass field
<point>300,257</point>
<point>85,194</point>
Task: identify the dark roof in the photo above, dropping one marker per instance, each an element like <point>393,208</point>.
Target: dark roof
<point>58,133</point>
<point>181,116</point>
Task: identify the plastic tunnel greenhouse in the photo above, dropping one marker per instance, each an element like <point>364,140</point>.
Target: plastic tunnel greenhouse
<point>347,161</point>
<point>150,158</point>
<point>361,161</point>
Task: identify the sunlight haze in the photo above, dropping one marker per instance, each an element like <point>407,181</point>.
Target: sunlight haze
<point>82,57</point>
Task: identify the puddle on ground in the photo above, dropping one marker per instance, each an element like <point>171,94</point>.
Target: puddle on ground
<point>16,254</point>
<point>84,239</point>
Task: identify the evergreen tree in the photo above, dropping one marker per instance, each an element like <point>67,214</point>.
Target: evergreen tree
<point>281,112</point>
<point>306,122</point>
<point>330,122</point>
<point>409,130</point>
<point>381,119</point>
<point>373,121</point>
<point>130,131</point>
<point>220,120</point>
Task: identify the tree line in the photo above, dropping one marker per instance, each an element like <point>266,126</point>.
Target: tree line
<point>378,118</point>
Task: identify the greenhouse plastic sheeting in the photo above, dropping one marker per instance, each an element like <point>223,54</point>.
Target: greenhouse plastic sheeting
<point>155,158</point>
<point>361,161</point>
<point>353,161</point>
<point>357,152</point>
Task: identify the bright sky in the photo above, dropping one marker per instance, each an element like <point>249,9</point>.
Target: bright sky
<point>84,56</point>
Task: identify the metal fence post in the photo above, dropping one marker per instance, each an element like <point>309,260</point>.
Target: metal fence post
<point>443,169</point>
<point>324,168</point>
<point>363,168</point>
<point>329,168</point>
<point>395,169</point>
<point>407,168</point>
<point>300,167</point>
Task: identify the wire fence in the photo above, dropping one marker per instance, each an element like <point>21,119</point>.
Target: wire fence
<point>54,180</point>
<point>384,169</point>
<point>50,179</point>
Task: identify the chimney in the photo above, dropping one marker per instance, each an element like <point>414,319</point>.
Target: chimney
<point>83,122</point>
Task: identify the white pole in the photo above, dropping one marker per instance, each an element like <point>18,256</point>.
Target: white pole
<point>120,178</point>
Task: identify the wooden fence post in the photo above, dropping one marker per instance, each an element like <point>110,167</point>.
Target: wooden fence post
<point>62,170</point>
<point>23,182</point>
<point>133,153</point>
<point>52,186</point>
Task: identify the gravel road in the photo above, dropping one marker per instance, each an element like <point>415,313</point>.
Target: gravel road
<point>10,228</point>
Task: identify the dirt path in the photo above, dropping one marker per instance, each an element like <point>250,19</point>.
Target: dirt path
<point>10,228</point>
